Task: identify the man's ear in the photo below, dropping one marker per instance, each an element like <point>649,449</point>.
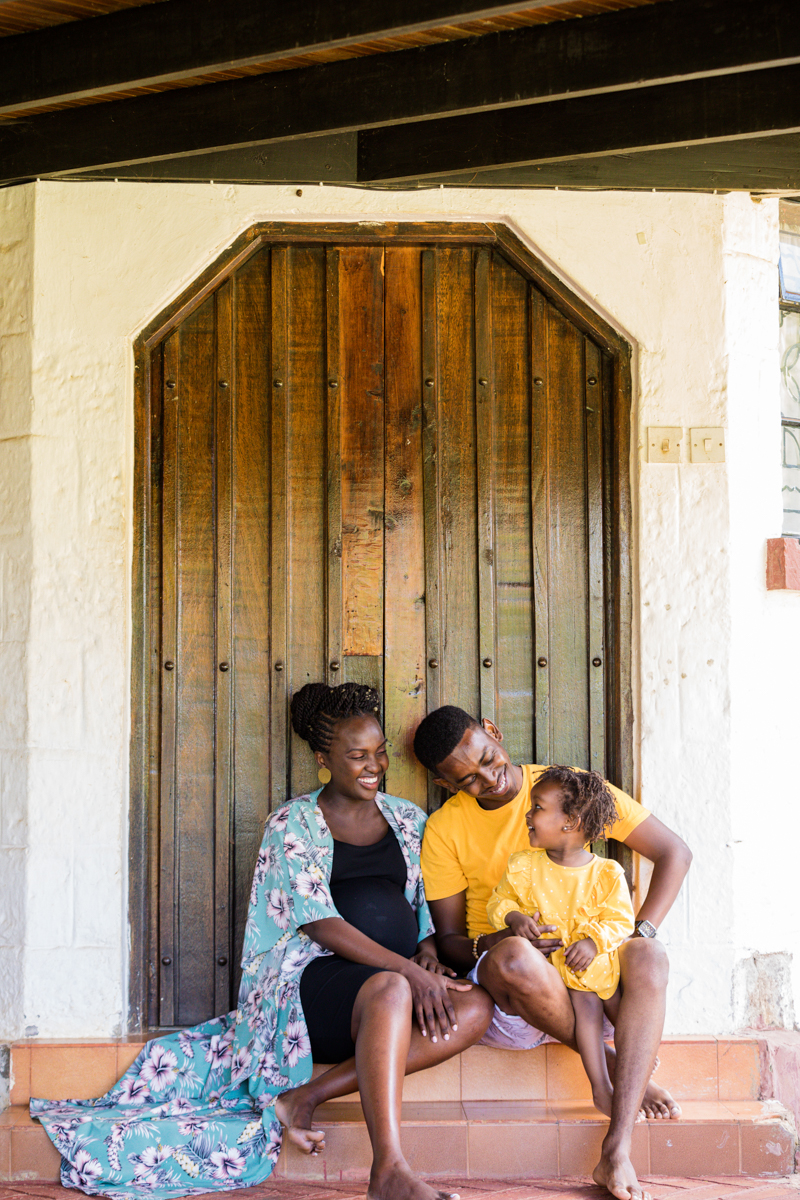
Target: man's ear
<point>447,786</point>
<point>492,730</point>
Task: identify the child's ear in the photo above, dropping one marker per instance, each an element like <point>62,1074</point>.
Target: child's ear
<point>571,824</point>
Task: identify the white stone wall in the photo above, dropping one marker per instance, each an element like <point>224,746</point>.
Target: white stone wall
<point>689,279</point>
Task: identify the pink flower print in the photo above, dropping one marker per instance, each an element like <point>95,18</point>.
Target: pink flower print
<point>228,1162</point>
<point>150,1158</point>
<point>191,1126</point>
<point>293,847</point>
<point>279,819</point>
<point>160,1068</point>
<point>219,1052</point>
<point>274,1142</point>
<point>295,1043</point>
<point>240,1066</point>
<point>279,907</point>
<point>134,1091</point>
<point>306,884</point>
<point>85,1170</point>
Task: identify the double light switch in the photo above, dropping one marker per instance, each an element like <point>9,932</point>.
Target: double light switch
<point>705,445</point>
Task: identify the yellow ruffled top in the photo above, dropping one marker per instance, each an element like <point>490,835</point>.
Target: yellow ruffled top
<point>589,901</point>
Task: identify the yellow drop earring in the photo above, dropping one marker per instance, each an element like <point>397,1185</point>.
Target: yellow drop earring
<point>324,775</point>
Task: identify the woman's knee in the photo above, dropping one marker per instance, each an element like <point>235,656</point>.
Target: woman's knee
<point>387,988</point>
<point>474,1010</point>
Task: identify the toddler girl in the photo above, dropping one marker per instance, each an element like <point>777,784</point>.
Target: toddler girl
<point>560,882</point>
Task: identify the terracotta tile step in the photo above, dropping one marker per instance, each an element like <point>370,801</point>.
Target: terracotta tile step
<point>692,1068</point>
<point>499,1140</point>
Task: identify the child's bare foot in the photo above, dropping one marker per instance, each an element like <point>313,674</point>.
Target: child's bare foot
<point>397,1182</point>
<point>601,1099</point>
<point>294,1110</point>
<point>615,1173</point>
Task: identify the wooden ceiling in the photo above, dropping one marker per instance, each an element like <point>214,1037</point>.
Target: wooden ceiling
<point>594,93</point>
<point>24,16</point>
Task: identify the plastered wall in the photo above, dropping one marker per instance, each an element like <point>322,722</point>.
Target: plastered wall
<point>689,279</point>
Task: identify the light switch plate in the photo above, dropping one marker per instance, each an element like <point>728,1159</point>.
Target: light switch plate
<point>664,443</point>
<point>706,445</point>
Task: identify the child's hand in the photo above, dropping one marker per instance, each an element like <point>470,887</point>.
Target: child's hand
<point>580,954</point>
<point>530,928</point>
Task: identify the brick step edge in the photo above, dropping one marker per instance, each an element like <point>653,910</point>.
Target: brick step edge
<point>712,1068</point>
<point>498,1140</point>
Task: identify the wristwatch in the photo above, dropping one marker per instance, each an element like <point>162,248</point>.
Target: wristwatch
<point>644,929</point>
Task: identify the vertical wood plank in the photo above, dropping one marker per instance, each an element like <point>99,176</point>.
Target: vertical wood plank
<point>513,564</point>
<point>279,540</point>
<point>460,682</point>
<point>569,682</point>
<point>251,667</point>
<point>404,611</point>
<point>429,401</point>
<point>486,665</point>
<point>540,519</point>
<point>362,445</point>
<point>145,997</point>
<point>335,379</point>
<point>594,504</point>
<point>168,652</point>
<point>195,669</point>
<point>223,777</point>
<point>306,487</point>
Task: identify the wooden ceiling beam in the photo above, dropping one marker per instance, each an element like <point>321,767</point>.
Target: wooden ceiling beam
<point>700,111</point>
<point>181,39</point>
<point>620,60</point>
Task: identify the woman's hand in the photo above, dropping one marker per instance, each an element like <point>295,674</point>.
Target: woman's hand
<point>429,995</point>
<point>427,958</point>
<point>429,962</point>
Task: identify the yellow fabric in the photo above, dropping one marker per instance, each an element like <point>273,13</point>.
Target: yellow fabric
<point>466,847</point>
<point>590,901</point>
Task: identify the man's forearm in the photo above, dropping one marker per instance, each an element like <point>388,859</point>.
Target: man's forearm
<point>455,949</point>
<point>665,883</point>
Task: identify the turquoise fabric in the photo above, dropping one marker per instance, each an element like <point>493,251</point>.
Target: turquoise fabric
<point>195,1112</point>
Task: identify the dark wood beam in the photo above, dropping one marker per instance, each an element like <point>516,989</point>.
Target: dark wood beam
<point>703,110</point>
<point>181,39</point>
<point>616,51</point>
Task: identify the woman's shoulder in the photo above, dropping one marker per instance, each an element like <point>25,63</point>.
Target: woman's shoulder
<point>404,809</point>
<point>290,809</point>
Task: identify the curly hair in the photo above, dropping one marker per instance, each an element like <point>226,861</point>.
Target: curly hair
<point>439,733</point>
<point>316,708</point>
<point>585,795</point>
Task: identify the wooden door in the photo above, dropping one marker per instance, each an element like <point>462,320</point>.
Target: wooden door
<point>378,462</point>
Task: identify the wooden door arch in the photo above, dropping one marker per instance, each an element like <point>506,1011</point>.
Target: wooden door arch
<point>392,453</point>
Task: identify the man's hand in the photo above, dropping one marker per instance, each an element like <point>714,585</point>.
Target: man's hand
<point>580,954</point>
<point>533,931</point>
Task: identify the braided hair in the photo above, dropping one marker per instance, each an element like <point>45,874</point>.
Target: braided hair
<point>585,795</point>
<point>316,708</point>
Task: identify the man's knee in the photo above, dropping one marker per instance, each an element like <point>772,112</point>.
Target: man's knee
<point>513,964</point>
<point>644,964</point>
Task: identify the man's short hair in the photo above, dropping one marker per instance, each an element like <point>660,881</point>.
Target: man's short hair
<point>439,733</point>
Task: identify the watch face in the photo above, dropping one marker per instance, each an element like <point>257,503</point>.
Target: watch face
<point>645,929</point>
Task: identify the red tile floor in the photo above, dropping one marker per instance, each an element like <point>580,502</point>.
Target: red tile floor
<point>660,1188</point>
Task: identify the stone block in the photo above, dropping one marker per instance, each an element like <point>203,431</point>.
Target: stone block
<point>783,564</point>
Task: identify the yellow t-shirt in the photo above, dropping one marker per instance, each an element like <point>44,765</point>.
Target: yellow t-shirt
<point>466,847</point>
<point>590,901</point>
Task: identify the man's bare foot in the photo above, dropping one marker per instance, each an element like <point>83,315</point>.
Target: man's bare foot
<point>398,1182</point>
<point>658,1104</point>
<point>616,1174</point>
<point>294,1110</point>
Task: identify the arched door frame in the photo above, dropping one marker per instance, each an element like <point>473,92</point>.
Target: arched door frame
<point>146,664</point>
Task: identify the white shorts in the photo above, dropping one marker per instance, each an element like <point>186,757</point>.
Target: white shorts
<point>507,1031</point>
<point>510,1032</point>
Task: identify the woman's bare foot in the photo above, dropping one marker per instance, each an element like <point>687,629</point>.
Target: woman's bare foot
<point>658,1104</point>
<point>615,1173</point>
<point>294,1110</point>
<point>398,1182</point>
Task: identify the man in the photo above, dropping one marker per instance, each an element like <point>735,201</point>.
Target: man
<point>464,853</point>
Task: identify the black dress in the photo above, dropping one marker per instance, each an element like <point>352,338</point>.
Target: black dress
<point>367,886</point>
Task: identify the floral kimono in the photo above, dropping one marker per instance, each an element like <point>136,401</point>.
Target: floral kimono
<point>196,1110</point>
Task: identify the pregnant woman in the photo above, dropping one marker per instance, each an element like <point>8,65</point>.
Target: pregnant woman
<point>339,965</point>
